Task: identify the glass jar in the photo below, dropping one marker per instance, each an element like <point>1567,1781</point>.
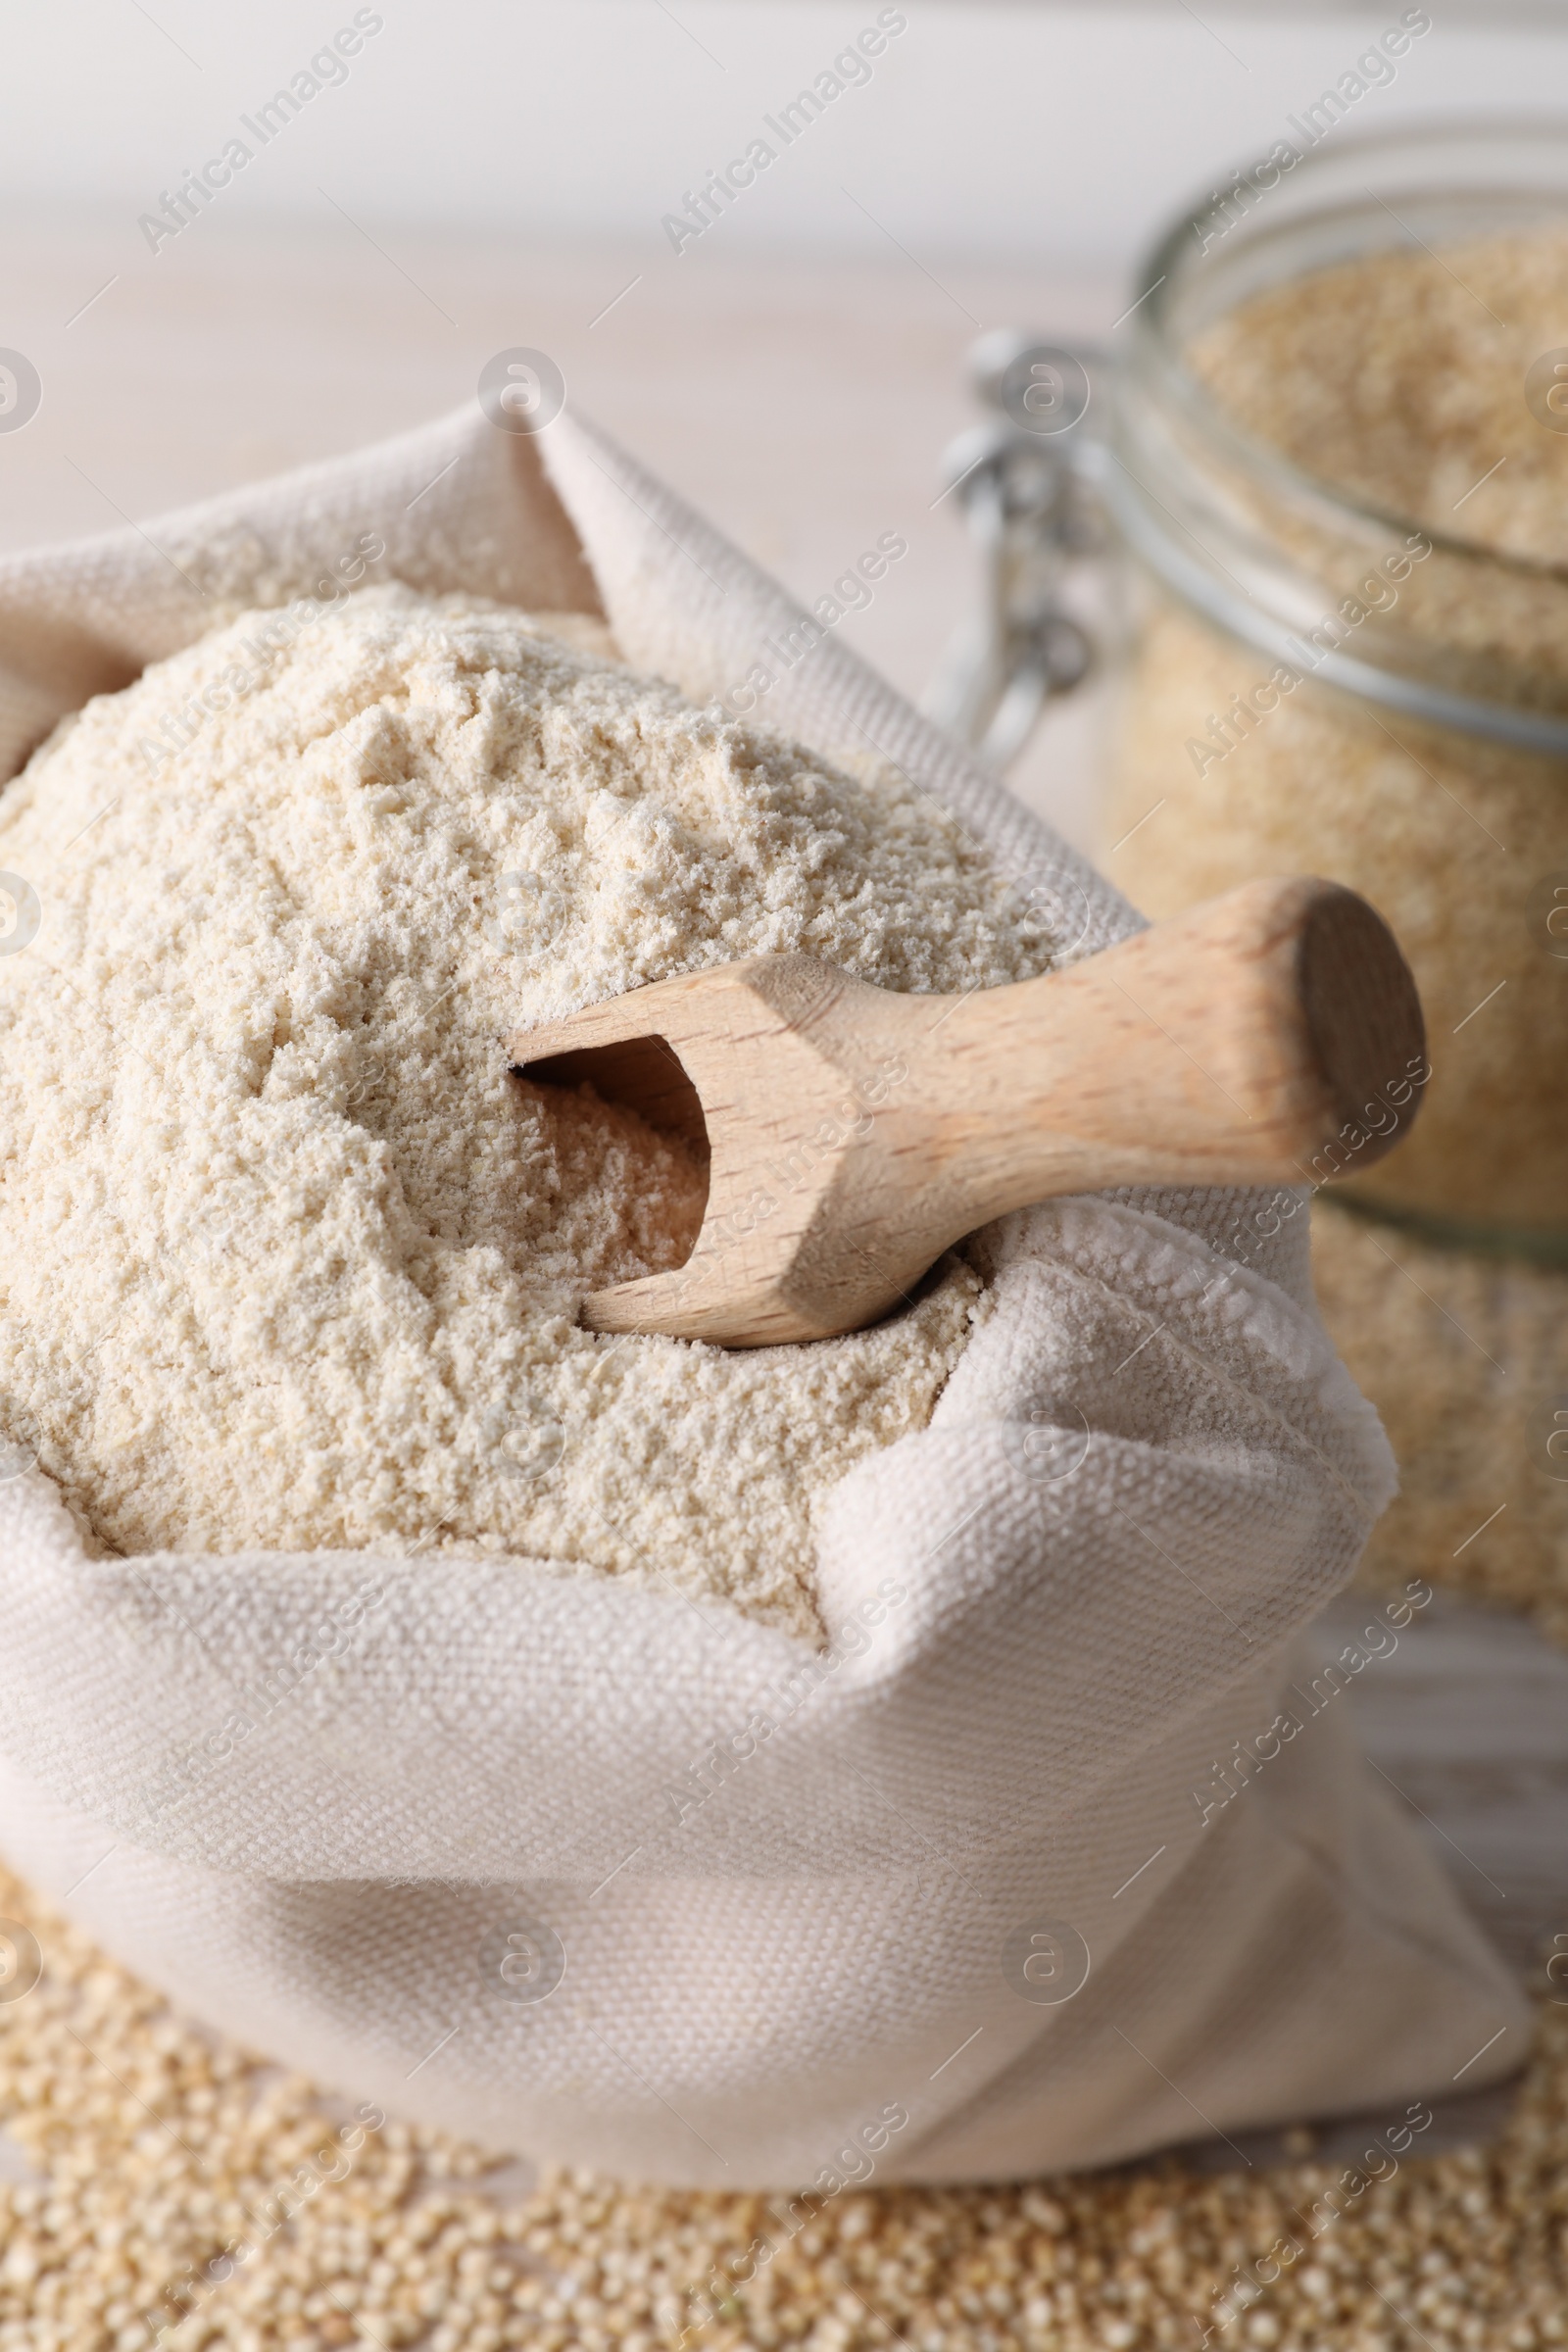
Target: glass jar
<point>1321,681</point>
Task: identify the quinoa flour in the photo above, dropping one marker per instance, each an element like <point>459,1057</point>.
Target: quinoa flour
<point>290,1259</point>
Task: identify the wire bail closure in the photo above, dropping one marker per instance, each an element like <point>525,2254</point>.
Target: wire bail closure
<point>1032,510</point>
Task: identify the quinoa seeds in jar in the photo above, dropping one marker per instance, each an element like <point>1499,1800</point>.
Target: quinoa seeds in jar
<point>1341,462</point>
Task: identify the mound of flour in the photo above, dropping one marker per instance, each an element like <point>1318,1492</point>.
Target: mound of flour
<point>288,1258</point>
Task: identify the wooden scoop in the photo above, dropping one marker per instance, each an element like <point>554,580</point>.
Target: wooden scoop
<point>853,1134</point>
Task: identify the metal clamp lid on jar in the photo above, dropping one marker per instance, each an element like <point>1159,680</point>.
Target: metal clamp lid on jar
<point>1026,494</point>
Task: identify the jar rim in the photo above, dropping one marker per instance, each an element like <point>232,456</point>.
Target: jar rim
<point>1167,265</point>
<point>1169,426</point>
<point>1521,729</point>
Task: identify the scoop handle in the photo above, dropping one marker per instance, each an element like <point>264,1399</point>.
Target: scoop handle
<point>1272,1036</point>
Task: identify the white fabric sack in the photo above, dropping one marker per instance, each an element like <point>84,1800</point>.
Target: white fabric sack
<point>599,1877</point>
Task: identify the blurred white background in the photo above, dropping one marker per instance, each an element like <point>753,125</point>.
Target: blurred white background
<point>1003,129</point>
<point>493,172</point>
